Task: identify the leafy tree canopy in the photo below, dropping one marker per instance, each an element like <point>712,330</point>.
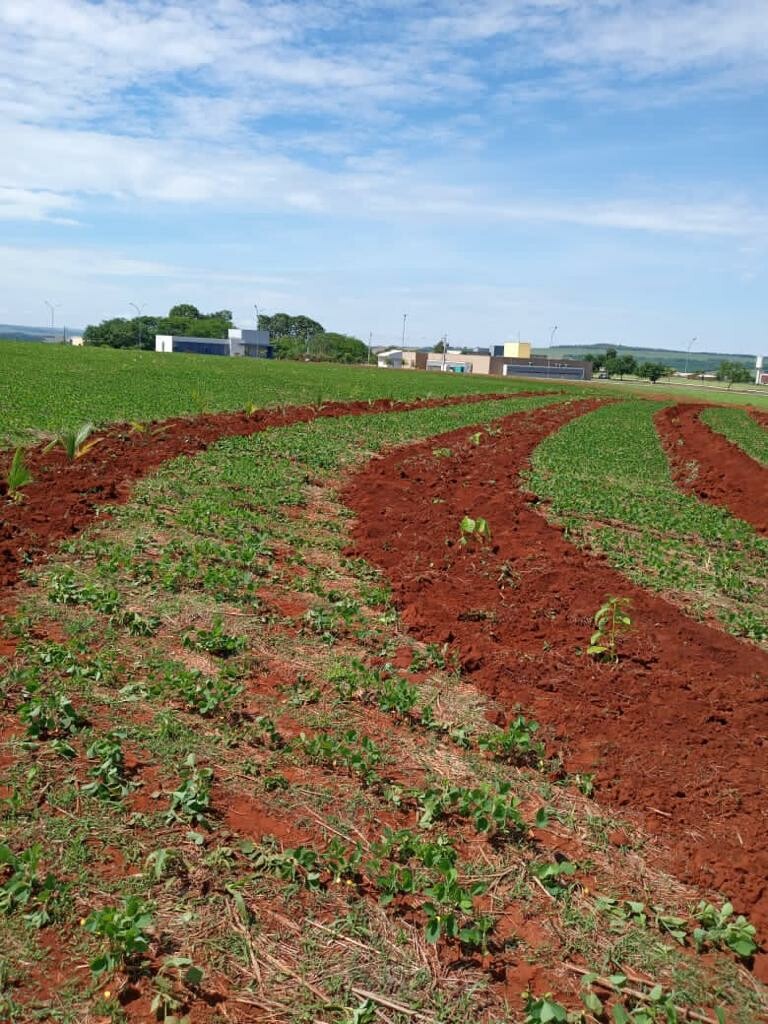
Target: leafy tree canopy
<point>282,325</point>
<point>617,366</point>
<point>184,319</point>
<point>734,373</point>
<point>651,371</point>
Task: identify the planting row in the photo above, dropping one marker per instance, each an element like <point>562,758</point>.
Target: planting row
<point>253,644</point>
<point>740,428</point>
<point>607,479</point>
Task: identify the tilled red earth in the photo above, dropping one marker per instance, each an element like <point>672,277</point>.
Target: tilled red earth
<point>64,496</point>
<point>676,733</point>
<point>708,465</point>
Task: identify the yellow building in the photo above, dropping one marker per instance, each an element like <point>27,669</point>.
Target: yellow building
<point>517,349</point>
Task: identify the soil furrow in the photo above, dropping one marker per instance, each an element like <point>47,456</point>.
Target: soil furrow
<point>675,733</point>
<point>710,466</point>
<point>64,496</point>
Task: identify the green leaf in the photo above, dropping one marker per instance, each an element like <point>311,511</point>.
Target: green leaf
<point>432,931</point>
<point>193,976</point>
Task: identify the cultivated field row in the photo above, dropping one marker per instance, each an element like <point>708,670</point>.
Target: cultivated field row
<point>236,785</point>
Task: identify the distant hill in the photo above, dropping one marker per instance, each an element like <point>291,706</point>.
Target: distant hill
<point>697,361</point>
<point>23,332</point>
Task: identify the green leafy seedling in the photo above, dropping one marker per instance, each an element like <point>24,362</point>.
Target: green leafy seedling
<point>126,931</point>
<point>475,529</point>
<point>611,620</point>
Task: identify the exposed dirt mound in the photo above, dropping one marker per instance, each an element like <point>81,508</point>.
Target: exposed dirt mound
<point>64,496</point>
<point>710,466</point>
<point>676,733</point>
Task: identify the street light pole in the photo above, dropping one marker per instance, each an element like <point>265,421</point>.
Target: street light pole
<point>549,349</point>
<point>139,311</point>
<point>51,309</point>
<point>687,353</point>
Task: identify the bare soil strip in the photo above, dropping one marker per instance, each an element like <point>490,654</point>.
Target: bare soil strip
<point>64,496</point>
<point>710,466</point>
<point>676,733</point>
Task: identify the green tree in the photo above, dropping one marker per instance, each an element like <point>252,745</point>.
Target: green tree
<point>184,319</point>
<point>283,325</point>
<point>618,366</point>
<point>184,311</point>
<point>651,371</point>
<point>734,373</point>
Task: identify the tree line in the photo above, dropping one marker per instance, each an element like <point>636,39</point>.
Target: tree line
<point>293,337</point>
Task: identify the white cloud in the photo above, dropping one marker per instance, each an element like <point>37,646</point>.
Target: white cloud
<point>31,204</point>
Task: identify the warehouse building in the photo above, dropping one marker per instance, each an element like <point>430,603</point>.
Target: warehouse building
<point>239,342</point>
<point>513,359</point>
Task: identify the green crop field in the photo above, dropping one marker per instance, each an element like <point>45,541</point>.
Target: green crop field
<point>49,388</point>
<point>55,387</point>
<point>219,790</point>
<point>738,426</point>
<point>609,481</point>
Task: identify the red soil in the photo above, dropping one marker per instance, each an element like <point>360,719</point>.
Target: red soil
<point>708,465</point>
<point>676,733</point>
<point>64,496</point>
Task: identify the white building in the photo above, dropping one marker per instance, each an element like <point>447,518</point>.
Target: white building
<point>239,342</point>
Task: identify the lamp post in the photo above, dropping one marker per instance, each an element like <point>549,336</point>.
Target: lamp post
<point>139,311</point>
<point>51,309</point>
<point>256,308</point>
<point>549,348</point>
<point>687,353</point>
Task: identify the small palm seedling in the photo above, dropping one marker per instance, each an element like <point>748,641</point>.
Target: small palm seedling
<point>18,476</point>
<point>720,928</point>
<point>611,620</point>
<point>75,442</point>
<point>25,889</point>
<point>126,930</point>
<point>474,529</point>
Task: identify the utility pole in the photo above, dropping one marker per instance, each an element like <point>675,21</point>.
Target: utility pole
<point>549,349</point>
<point>139,311</point>
<point>405,317</point>
<point>257,330</point>
<point>51,309</point>
<point>687,353</point>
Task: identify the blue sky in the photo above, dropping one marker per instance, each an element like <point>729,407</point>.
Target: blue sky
<point>489,168</point>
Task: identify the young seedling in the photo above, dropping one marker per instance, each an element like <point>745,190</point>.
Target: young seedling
<point>18,476</point>
<point>75,442</point>
<point>25,889</point>
<point>720,928</point>
<point>125,930</point>
<point>474,529</point>
<point>611,620</point>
